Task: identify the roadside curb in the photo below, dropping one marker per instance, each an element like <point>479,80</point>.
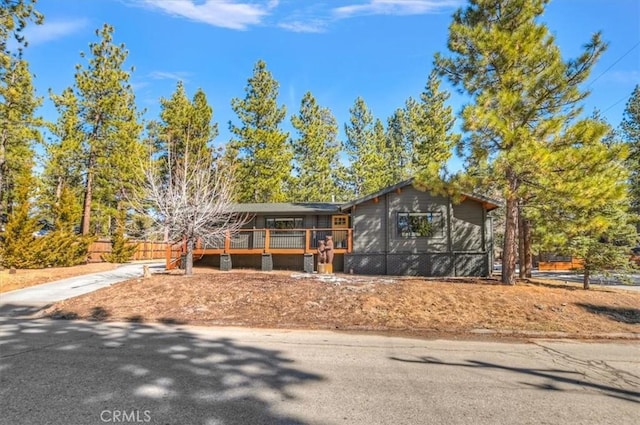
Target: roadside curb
<point>562,335</point>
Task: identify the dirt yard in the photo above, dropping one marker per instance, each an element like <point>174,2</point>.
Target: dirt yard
<point>25,278</point>
<point>420,307</point>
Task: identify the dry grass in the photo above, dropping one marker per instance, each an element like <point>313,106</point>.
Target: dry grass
<point>25,278</point>
<point>410,306</point>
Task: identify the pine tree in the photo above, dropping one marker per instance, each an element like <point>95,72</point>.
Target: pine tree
<point>430,124</point>
<point>399,146</point>
<point>259,150</point>
<point>17,247</point>
<point>315,153</point>
<point>368,170</point>
<point>186,126</point>
<point>122,248</point>
<point>18,129</point>
<point>631,132</point>
<point>578,204</point>
<point>63,166</point>
<point>109,146</point>
<point>14,17</point>
<point>522,92</point>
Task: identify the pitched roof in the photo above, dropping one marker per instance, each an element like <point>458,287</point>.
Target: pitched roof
<point>489,203</point>
<point>288,208</point>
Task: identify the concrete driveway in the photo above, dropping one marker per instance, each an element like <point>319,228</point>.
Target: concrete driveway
<point>85,373</point>
<point>29,299</point>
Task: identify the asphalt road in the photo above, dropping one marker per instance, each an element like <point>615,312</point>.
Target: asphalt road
<point>84,373</point>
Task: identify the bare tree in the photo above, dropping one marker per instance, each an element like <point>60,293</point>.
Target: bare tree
<point>189,199</point>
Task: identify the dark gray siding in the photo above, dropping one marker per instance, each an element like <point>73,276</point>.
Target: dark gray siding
<point>472,264</point>
<point>369,226</point>
<point>459,249</point>
<point>412,200</point>
<point>467,226</point>
<point>369,264</point>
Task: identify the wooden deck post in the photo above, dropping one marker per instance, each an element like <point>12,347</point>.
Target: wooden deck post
<point>227,242</point>
<point>267,240</point>
<point>307,241</point>
<point>349,240</point>
<point>167,254</point>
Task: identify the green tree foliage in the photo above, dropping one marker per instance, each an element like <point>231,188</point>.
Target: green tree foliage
<point>109,150</point>
<point>14,17</point>
<point>366,149</point>
<point>18,128</point>
<point>17,247</point>
<point>186,127</point>
<point>122,248</point>
<point>260,151</point>
<point>20,247</point>
<point>63,173</point>
<point>631,132</point>
<point>399,146</point>
<point>579,204</point>
<point>523,94</point>
<point>430,124</point>
<point>315,154</point>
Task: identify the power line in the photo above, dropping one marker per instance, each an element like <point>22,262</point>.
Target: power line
<point>617,101</point>
<point>613,64</point>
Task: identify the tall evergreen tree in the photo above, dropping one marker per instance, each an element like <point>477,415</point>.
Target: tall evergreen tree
<point>367,168</point>
<point>186,126</point>
<point>399,146</point>
<point>109,130</point>
<point>17,100</point>
<point>430,123</point>
<point>259,150</point>
<point>315,154</point>
<point>63,167</point>
<point>578,203</point>
<point>18,129</point>
<point>522,92</point>
<point>631,132</point>
<point>14,17</point>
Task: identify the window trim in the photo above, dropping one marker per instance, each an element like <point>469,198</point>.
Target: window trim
<point>436,218</point>
<point>294,219</point>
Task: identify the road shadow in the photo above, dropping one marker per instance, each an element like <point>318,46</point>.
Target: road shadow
<point>554,377</point>
<point>79,372</point>
<point>618,314</point>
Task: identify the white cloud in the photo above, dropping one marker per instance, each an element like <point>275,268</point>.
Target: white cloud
<point>314,26</point>
<point>165,75</point>
<point>53,30</point>
<point>220,13</point>
<point>395,7</point>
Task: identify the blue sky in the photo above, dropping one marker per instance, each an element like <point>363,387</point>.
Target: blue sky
<point>381,50</point>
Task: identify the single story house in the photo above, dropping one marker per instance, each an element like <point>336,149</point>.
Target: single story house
<point>399,230</point>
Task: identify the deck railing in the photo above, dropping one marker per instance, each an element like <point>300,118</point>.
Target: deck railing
<point>275,240</point>
<point>261,241</point>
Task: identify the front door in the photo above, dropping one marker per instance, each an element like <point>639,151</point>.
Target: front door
<point>339,222</point>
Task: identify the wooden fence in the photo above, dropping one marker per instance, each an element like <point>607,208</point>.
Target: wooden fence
<point>147,250</point>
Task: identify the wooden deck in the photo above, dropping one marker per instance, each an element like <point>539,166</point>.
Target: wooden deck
<point>267,241</point>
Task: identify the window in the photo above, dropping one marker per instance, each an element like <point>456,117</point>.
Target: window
<point>285,223</point>
<point>423,225</point>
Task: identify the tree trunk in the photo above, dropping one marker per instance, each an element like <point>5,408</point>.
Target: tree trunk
<point>587,279</point>
<point>86,209</point>
<point>521,253</point>
<point>527,262</point>
<point>510,247</point>
<point>188,267</point>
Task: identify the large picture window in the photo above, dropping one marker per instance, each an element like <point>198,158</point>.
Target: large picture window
<point>285,223</point>
<point>423,225</point>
